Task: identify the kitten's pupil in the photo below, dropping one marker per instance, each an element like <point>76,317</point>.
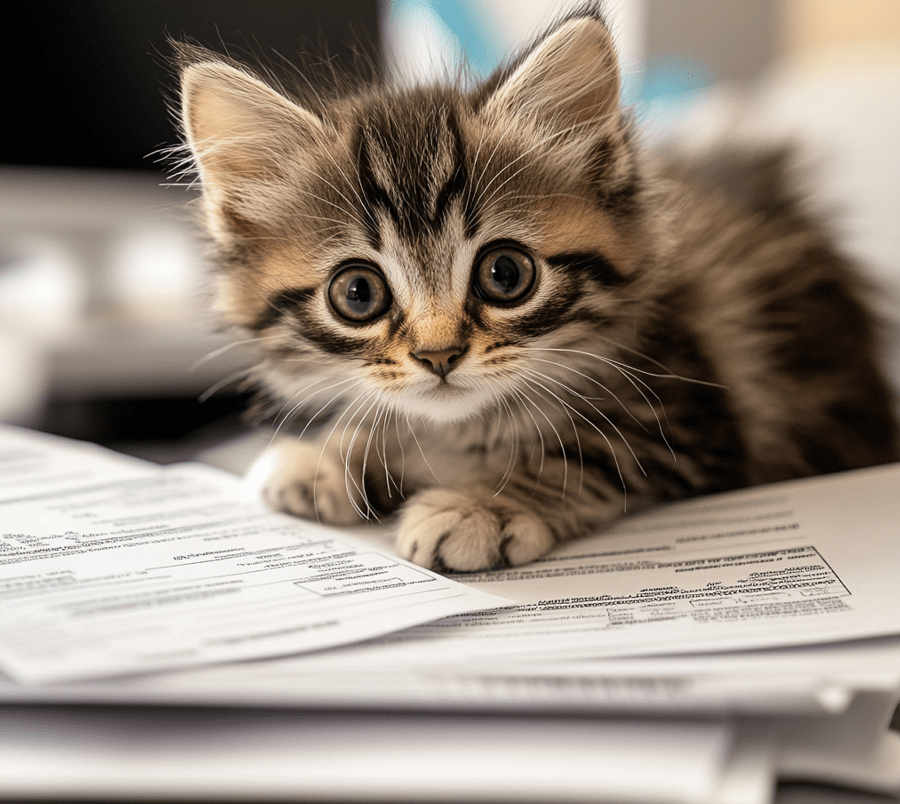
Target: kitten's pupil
<point>359,294</point>
<point>505,274</point>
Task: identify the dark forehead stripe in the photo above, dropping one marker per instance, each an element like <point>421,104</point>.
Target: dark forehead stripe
<point>374,196</point>
<point>458,185</point>
<point>411,143</point>
<point>591,264</point>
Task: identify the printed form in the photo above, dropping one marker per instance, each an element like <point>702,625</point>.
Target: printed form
<point>794,563</point>
<point>124,569</point>
<point>111,565</point>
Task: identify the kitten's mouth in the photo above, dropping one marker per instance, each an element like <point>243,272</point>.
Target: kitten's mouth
<point>446,401</point>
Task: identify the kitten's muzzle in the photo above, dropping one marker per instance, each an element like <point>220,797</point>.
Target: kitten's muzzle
<point>440,361</point>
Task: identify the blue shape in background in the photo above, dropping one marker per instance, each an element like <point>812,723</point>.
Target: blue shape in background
<point>470,27</point>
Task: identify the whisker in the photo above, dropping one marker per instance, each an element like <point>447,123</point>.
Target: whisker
<point>536,146</point>
<point>514,448</point>
<point>348,474</point>
<point>357,403</point>
<point>226,348</point>
<point>421,451</point>
<point>613,362</point>
<point>565,410</point>
<point>322,455</point>
<point>385,415</point>
<point>596,382</point>
<point>216,387</point>
<point>381,414</point>
<point>636,382</point>
<point>594,425</point>
<point>562,447</point>
<point>521,396</point>
<point>349,210</point>
<point>655,362</point>
<point>487,165</point>
<point>575,393</point>
<point>308,396</point>
<point>402,451</point>
<point>324,407</point>
<point>379,411</point>
<point>346,179</point>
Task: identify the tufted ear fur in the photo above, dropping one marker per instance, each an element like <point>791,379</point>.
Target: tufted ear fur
<point>249,142</point>
<point>567,84</point>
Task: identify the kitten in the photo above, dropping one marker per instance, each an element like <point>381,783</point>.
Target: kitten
<point>518,323</point>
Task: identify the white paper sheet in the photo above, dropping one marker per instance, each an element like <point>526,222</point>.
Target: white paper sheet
<point>807,561</point>
<point>115,566</point>
<point>823,679</point>
<point>802,562</point>
<point>33,464</point>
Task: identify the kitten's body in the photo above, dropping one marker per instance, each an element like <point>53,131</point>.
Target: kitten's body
<point>551,326</point>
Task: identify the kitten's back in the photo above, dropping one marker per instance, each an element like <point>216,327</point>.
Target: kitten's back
<point>783,316</point>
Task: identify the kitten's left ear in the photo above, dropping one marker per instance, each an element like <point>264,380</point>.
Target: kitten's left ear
<point>569,82</point>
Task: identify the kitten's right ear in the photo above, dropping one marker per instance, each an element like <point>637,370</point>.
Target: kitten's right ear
<point>246,138</point>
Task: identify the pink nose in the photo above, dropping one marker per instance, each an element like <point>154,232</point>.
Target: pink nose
<point>440,361</point>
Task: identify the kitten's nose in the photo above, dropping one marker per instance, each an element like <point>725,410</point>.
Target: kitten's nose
<point>440,361</point>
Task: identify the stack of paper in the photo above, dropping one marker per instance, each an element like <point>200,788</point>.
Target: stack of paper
<point>699,653</point>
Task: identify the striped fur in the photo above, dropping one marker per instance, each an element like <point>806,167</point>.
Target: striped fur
<point>676,328</point>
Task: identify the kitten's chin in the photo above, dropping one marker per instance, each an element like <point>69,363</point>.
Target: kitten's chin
<point>448,406</point>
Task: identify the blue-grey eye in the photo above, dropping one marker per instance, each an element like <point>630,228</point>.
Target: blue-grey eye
<point>359,293</point>
<point>503,275</point>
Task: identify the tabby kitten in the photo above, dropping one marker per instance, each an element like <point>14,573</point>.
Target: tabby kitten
<point>518,323</point>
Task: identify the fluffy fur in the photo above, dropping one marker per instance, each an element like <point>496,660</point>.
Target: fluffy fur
<point>517,323</point>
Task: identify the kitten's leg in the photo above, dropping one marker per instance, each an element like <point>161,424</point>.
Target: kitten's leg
<point>310,478</point>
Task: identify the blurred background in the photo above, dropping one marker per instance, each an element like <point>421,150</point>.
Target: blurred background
<point>104,333</point>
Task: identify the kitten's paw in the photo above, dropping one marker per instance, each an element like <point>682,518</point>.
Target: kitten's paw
<point>297,477</point>
<point>446,529</point>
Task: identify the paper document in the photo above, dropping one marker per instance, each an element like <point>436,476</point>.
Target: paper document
<point>110,565</point>
<point>794,563</point>
<point>127,567</point>
<point>818,679</point>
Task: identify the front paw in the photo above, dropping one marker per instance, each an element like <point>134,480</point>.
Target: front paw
<point>457,530</point>
<point>300,478</point>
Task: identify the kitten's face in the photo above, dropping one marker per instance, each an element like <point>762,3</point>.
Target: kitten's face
<point>422,251</point>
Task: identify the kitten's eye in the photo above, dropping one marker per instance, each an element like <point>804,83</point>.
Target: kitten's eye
<point>359,293</point>
<point>503,275</point>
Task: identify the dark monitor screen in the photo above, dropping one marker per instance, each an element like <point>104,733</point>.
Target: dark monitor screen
<point>86,83</point>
